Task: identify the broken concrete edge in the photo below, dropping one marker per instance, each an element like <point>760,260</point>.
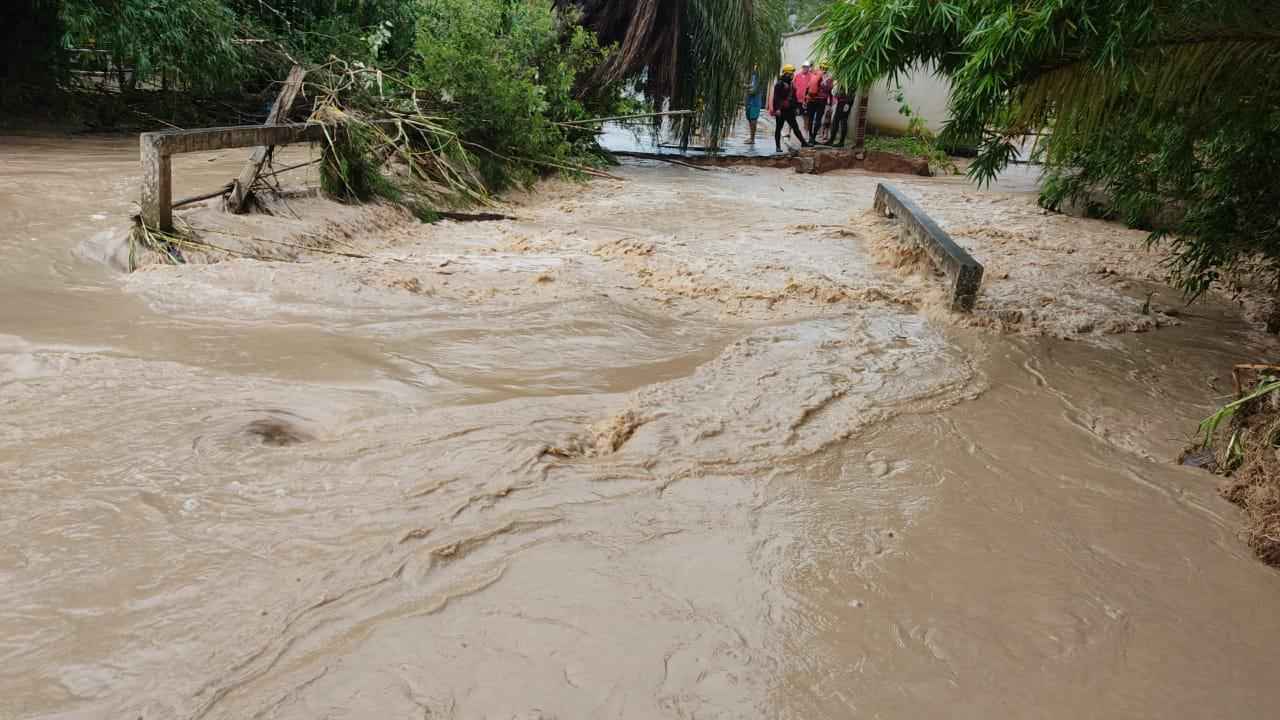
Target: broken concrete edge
<point>817,162</point>
<point>808,161</point>
<point>963,272</point>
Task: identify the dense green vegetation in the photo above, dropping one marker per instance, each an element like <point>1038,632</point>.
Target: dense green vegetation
<point>493,86</point>
<point>488,100</point>
<point>509,73</point>
<point>1163,113</point>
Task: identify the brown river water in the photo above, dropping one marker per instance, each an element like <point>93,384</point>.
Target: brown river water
<point>684,445</point>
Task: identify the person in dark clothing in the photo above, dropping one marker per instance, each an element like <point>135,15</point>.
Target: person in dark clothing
<point>840,117</point>
<point>784,107</point>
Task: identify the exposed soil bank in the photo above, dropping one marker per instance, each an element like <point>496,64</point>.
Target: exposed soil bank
<point>1242,442</point>
<point>679,446</point>
<point>1255,484</point>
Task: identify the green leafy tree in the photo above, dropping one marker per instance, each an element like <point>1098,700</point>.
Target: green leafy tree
<point>507,72</point>
<point>1163,113</point>
<point>145,38</point>
<point>369,31</point>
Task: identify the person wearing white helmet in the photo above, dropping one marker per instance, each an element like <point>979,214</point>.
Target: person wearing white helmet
<point>803,80</point>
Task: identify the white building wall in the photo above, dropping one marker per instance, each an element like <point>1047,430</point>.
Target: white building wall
<point>798,47</point>
<point>924,91</point>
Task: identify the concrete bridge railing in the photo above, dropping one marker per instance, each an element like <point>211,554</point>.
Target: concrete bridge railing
<point>158,147</point>
<point>963,272</point>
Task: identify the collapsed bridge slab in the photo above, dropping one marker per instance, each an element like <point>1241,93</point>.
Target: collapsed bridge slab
<point>963,272</point>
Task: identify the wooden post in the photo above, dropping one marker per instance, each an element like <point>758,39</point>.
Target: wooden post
<point>157,184</point>
<point>238,200</point>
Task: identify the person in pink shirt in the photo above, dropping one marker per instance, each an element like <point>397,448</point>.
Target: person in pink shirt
<point>803,82</point>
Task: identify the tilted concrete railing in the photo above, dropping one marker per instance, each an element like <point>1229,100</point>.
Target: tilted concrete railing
<point>158,147</point>
<point>962,271</point>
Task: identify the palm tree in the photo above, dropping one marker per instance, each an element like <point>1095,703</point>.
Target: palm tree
<point>688,53</point>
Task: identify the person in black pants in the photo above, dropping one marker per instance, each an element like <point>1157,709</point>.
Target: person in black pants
<point>784,107</point>
<point>840,118</point>
<point>819,96</point>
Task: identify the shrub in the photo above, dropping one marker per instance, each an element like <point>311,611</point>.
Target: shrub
<point>506,72</point>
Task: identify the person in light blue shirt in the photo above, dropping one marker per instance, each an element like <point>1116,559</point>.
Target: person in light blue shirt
<point>755,100</point>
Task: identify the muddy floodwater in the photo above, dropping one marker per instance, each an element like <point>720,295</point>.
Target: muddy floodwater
<point>683,445</point>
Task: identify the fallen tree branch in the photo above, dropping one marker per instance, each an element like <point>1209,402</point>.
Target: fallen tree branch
<point>281,171</point>
<point>240,188</point>
<point>659,156</point>
<point>284,243</point>
<point>207,196</point>
<point>227,188</point>
<point>547,163</point>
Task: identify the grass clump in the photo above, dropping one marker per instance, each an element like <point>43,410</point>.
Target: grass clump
<point>918,141</point>
<point>1242,440</point>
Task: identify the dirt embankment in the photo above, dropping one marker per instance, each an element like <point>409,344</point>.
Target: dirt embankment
<point>1255,484</point>
<point>1242,442</point>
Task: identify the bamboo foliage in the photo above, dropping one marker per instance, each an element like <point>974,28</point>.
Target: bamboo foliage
<point>1071,64</point>
<point>1167,109</point>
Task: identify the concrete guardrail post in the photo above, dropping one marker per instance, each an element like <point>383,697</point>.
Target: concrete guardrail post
<point>158,147</point>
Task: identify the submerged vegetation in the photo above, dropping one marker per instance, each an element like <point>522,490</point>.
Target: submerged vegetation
<point>1164,114</point>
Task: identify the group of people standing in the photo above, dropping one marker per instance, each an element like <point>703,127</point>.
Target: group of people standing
<point>807,94</point>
